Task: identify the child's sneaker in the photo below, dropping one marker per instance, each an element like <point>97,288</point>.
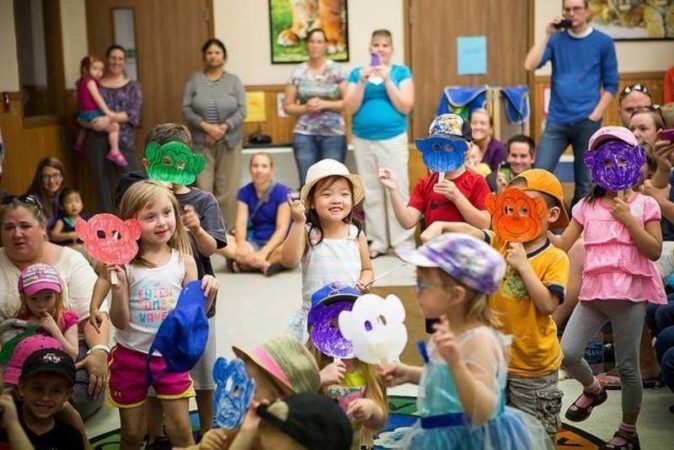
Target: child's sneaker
<point>117,158</point>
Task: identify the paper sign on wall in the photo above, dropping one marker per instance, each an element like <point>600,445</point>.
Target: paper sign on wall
<point>255,107</point>
<point>471,55</point>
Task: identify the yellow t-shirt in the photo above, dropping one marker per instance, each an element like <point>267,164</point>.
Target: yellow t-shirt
<point>535,349</point>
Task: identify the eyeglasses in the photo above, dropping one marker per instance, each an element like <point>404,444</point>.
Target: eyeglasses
<point>574,9</point>
<point>634,88</point>
<point>421,286</point>
<point>53,176</point>
<point>26,199</point>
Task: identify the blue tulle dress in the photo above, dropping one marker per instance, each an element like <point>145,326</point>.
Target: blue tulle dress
<point>444,425</point>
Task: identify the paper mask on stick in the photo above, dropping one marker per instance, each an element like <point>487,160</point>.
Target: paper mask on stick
<point>109,239</point>
<point>375,327</point>
<point>233,393</point>
<point>441,154</point>
<point>616,165</point>
<point>515,216</point>
<point>325,333</point>
<point>326,305</point>
<point>173,163</point>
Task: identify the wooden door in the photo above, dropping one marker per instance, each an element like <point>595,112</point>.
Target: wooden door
<point>432,40</point>
<point>168,36</point>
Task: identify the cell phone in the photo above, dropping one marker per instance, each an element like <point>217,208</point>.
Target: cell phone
<point>374,59</point>
<point>563,24</point>
<point>505,170</point>
<point>667,135</point>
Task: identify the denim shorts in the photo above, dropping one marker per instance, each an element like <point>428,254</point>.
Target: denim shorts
<point>89,116</point>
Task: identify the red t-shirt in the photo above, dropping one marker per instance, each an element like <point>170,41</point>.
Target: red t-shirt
<point>436,207</point>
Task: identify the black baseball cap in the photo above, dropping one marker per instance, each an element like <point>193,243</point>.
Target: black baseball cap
<point>314,421</point>
<point>49,360</point>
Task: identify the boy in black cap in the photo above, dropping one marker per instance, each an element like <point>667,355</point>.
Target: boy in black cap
<point>299,422</point>
<point>46,383</point>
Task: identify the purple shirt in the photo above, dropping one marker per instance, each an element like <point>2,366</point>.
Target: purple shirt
<point>264,221</point>
<point>495,154</point>
<point>128,99</point>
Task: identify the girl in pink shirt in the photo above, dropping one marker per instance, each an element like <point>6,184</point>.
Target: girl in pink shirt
<point>622,240</point>
<point>92,111</point>
<point>42,304</point>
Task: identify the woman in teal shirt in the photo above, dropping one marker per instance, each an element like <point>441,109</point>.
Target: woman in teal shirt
<point>380,96</point>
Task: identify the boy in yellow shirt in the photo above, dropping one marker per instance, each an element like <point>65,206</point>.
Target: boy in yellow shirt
<point>533,287</point>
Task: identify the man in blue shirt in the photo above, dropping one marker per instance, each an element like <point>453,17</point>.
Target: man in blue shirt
<point>584,80</point>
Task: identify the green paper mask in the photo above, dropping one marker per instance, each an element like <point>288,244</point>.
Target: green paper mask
<point>173,163</point>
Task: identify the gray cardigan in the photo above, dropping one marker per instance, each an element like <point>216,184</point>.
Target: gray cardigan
<point>230,99</point>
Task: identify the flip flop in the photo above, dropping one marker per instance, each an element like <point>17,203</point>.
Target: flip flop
<point>611,381</point>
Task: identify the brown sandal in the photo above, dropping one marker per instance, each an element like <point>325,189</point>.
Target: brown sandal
<point>631,442</point>
<point>576,413</point>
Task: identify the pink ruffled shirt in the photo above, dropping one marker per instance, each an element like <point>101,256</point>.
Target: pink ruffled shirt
<point>614,268</point>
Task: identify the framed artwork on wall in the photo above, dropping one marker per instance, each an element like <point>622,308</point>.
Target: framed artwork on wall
<point>634,19</point>
<point>291,20</point>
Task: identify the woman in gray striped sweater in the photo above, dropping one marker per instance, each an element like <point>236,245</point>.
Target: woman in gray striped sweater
<point>214,106</point>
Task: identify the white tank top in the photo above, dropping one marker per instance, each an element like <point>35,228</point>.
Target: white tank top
<point>153,293</point>
<point>330,261</point>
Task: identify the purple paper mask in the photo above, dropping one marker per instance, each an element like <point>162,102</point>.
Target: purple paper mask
<point>616,165</point>
<point>325,333</point>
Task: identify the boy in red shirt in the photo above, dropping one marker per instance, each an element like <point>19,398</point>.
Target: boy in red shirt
<point>459,197</point>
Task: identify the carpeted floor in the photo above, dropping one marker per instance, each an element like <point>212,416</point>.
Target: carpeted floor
<point>402,413</point>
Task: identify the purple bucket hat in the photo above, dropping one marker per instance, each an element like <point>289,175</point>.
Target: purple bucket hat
<point>467,259</point>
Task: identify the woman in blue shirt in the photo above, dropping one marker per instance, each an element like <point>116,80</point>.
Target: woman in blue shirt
<point>262,219</point>
<point>380,97</point>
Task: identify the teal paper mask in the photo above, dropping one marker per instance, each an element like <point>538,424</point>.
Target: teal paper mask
<point>173,163</point>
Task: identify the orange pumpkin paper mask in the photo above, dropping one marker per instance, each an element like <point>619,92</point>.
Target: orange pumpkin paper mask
<point>515,216</point>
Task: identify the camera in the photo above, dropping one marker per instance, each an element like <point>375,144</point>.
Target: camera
<point>563,24</point>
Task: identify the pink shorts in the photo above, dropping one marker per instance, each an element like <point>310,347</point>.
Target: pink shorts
<point>127,385</point>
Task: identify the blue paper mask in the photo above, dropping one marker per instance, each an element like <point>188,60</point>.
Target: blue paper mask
<point>233,394</point>
<point>441,154</point>
<point>616,165</point>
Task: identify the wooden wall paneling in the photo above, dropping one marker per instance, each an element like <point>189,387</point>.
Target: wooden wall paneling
<point>652,80</point>
<point>279,128</point>
<point>25,145</point>
<point>168,35</point>
<point>433,31</point>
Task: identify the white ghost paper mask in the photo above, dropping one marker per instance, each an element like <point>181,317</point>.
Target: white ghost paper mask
<point>375,327</point>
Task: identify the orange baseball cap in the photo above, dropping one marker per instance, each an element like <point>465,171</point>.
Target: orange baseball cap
<point>541,180</point>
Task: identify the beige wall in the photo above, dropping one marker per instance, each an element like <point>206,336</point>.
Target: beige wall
<point>9,69</point>
<point>244,28</point>
<point>651,56</point>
